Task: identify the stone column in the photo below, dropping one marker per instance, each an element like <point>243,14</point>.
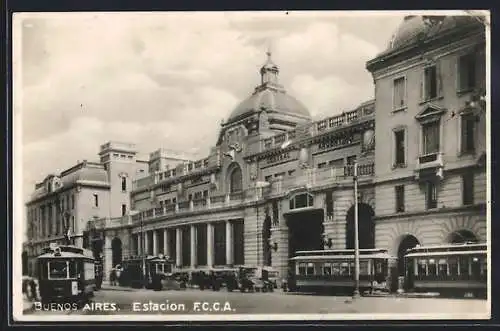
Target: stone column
<point>229,243</point>
<point>193,246</point>
<point>138,251</point>
<point>108,254</point>
<point>146,243</point>
<point>165,243</point>
<point>178,247</point>
<point>210,245</point>
<point>155,242</point>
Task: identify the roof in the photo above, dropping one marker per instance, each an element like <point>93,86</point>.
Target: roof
<point>272,100</point>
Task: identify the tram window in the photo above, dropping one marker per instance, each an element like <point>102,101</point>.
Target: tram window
<point>453,266</point>
<point>327,269</point>
<point>432,269</point>
<point>58,269</point>
<point>442,267</point>
<point>464,265</point>
<point>422,267</point>
<point>378,267</point>
<point>302,269</point>
<point>335,269</point>
<point>310,269</point>
<point>344,269</point>
<point>363,268</point>
<point>484,266</point>
<point>476,266</point>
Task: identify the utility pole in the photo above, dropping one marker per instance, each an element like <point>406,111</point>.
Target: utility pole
<point>356,293</point>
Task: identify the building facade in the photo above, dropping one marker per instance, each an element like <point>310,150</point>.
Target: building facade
<point>276,182</point>
<point>64,204</point>
<point>431,181</point>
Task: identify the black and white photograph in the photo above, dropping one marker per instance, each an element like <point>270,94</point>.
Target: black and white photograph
<point>251,166</point>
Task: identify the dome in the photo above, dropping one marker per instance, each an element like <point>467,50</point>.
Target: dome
<point>272,97</point>
<point>270,100</point>
<point>413,27</point>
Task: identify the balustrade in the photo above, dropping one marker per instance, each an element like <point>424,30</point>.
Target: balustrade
<point>310,178</point>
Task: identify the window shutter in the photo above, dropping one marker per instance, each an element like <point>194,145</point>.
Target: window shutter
<point>439,78</point>
<point>422,96</point>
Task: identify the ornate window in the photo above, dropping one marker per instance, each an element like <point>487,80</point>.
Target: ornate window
<point>236,184</point>
<point>302,200</point>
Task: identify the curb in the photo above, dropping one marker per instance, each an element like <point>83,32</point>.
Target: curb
<point>125,289</point>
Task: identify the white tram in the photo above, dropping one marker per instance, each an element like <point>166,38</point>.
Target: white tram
<point>448,269</point>
<point>332,271</point>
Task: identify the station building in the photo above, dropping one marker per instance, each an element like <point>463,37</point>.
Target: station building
<point>276,181</point>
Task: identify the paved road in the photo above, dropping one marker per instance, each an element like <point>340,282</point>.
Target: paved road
<point>113,302</point>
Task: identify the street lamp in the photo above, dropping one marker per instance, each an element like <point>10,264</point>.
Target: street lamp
<point>356,293</point>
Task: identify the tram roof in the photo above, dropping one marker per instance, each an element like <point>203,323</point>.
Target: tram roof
<point>448,248</point>
<point>66,251</point>
<point>64,255</point>
<point>330,257</point>
<point>445,253</point>
<point>148,258</point>
<point>340,252</point>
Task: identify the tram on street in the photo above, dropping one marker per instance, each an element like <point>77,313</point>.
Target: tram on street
<point>66,273</point>
<point>454,269</point>
<point>157,269</point>
<point>332,271</point>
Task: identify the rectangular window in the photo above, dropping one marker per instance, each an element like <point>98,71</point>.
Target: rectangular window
<point>72,201</point>
<point>399,93</point>
<point>124,184</point>
<point>321,165</point>
<point>96,200</point>
<point>279,175</point>
<point>190,196</point>
<point>399,148</point>
<point>268,178</point>
<point>174,200</point>
<point>124,210</point>
<point>197,195</point>
<point>468,189</point>
<point>291,172</point>
<point>431,195</point>
<point>467,72</point>
<point>430,83</point>
<point>468,124</point>
<point>338,163</point>
<point>400,198</point>
<point>205,193</point>
<point>431,137</point>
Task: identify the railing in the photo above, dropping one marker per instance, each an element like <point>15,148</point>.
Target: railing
<point>310,178</point>
<point>310,130</point>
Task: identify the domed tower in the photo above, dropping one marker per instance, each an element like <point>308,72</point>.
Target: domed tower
<point>269,109</point>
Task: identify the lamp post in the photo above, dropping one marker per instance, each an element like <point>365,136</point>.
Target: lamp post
<point>356,293</point>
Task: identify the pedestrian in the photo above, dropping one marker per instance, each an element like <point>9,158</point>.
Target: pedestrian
<point>112,277</point>
<point>118,272</point>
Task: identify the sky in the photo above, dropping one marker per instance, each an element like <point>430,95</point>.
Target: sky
<point>168,79</point>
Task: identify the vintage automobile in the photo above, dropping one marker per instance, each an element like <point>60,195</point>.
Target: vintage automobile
<point>254,279</point>
<point>274,277</point>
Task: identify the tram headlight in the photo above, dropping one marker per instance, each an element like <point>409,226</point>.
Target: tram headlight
<point>74,288</point>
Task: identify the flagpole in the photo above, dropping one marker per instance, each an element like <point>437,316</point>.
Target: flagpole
<point>356,293</point>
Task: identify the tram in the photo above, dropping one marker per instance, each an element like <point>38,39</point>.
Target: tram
<point>157,267</point>
<point>66,273</point>
<point>448,269</point>
<point>332,271</point>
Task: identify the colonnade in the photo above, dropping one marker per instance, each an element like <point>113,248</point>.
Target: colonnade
<point>164,247</point>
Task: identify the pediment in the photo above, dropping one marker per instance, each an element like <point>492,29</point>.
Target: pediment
<point>430,111</point>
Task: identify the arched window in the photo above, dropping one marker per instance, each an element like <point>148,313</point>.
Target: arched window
<point>302,200</point>
<point>236,180</point>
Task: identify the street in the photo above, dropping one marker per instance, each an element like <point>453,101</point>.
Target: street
<point>192,301</point>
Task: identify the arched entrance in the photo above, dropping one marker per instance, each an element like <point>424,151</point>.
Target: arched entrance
<point>366,227</point>
<point>116,251</point>
<point>407,242</point>
<point>24,259</point>
<point>266,236</point>
<point>305,231</point>
<point>462,237</point>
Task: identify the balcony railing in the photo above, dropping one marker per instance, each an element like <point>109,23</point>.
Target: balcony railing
<point>316,128</point>
<point>310,179</point>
